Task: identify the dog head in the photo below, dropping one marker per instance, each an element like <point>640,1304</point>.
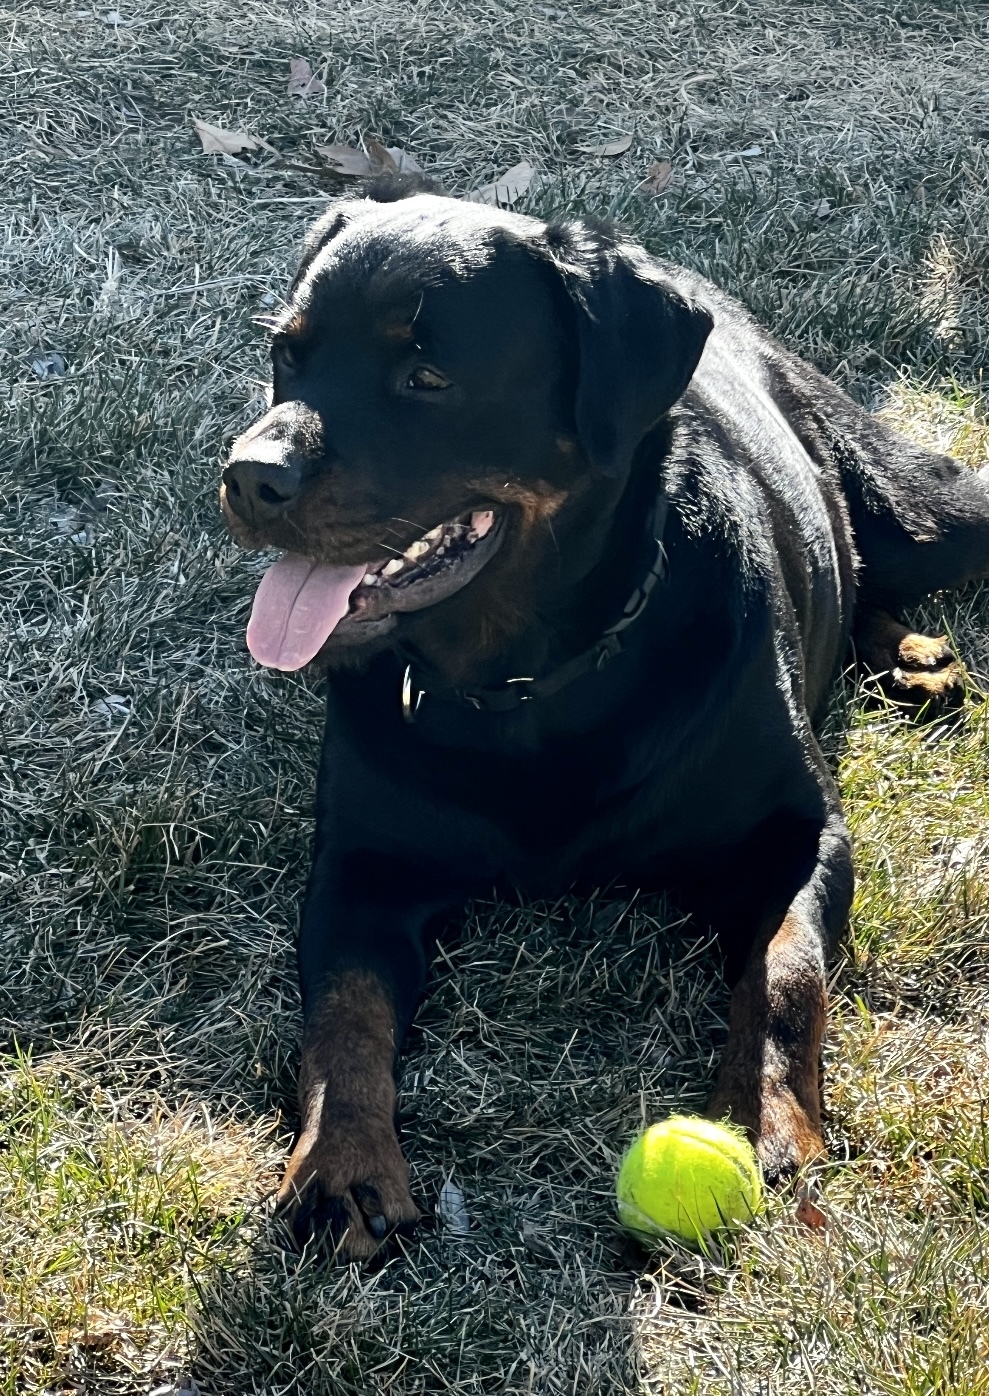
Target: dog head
<point>448,379</point>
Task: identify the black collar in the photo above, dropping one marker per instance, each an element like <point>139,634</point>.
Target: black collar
<point>507,696</point>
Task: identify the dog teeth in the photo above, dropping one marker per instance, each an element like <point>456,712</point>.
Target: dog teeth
<point>435,544</point>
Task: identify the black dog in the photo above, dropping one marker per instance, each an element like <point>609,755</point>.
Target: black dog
<point>583,548</point>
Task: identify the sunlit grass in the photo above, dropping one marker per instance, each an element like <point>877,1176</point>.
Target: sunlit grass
<point>111,1205</point>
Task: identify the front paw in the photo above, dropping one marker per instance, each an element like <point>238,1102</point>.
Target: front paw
<point>347,1187</point>
<point>785,1134</point>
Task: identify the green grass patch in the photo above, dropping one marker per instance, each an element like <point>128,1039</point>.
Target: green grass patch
<point>112,1206</point>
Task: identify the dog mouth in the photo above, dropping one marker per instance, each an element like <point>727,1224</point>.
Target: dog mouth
<point>300,603</point>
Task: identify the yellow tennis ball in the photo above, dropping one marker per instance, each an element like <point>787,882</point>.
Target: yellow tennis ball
<point>688,1177</point>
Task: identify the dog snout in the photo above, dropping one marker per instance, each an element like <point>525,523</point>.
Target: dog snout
<point>266,466</point>
<point>258,490</point>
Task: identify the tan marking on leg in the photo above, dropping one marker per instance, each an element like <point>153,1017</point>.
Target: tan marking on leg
<point>910,668</point>
<point>768,1081</point>
<point>924,651</point>
<point>347,1093</point>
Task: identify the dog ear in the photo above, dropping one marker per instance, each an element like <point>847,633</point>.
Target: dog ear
<point>324,230</point>
<point>639,341</point>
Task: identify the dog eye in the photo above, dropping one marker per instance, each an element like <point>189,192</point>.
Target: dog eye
<point>426,379</point>
<point>284,356</point>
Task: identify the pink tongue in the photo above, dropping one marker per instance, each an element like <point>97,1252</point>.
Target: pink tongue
<point>298,605</point>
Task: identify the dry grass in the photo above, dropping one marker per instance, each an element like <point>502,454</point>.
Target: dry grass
<point>156,787</point>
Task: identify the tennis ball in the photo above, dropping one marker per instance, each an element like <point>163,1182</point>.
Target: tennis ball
<point>688,1177</point>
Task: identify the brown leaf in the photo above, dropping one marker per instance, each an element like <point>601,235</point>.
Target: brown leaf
<point>615,147</point>
<point>99,1331</point>
<point>345,160</point>
<point>302,82</point>
<point>659,175</point>
<point>218,141</point>
<point>810,1214</point>
<point>406,163</point>
<point>380,158</point>
<point>353,163</point>
<point>507,188</point>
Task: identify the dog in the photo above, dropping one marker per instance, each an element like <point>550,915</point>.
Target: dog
<point>582,549</point>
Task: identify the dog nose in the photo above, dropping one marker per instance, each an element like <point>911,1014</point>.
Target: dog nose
<point>258,490</point>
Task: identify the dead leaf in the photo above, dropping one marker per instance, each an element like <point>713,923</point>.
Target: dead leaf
<point>507,188</point>
<point>380,158</point>
<point>810,1214</point>
<point>452,1209</point>
<point>48,365</point>
<point>375,158</point>
<point>345,160</point>
<point>220,142</point>
<point>657,179</point>
<point>615,147</point>
<point>406,163</point>
<point>823,208</point>
<point>99,1332</point>
<point>302,81</point>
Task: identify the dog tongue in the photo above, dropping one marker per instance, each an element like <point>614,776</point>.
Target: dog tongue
<point>298,605</point>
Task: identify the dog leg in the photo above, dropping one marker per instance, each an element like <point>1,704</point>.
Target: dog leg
<point>346,1178</point>
<point>363,953</point>
<point>911,669</point>
<point>769,1078</point>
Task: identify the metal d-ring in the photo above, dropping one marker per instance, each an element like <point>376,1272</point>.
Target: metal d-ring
<point>410,707</point>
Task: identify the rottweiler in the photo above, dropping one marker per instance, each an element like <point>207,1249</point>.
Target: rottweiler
<point>582,548</point>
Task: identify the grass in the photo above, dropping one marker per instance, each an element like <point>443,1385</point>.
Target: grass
<point>157,787</point>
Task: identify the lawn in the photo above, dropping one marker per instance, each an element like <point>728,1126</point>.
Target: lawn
<point>830,165</point>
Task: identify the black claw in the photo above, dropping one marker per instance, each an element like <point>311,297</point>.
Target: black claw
<point>336,1218</point>
<point>302,1221</point>
<point>368,1199</point>
<point>324,1215</point>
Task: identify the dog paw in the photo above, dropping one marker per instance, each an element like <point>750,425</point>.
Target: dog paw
<point>915,671</point>
<point>347,1189</point>
<point>786,1137</point>
<point>924,651</point>
<point>783,1132</point>
<point>923,672</point>
<point>942,688</point>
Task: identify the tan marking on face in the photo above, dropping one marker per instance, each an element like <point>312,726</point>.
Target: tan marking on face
<point>538,500</point>
<point>398,331</point>
<point>296,326</point>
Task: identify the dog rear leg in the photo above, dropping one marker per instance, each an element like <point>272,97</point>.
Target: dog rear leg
<point>769,1078</point>
<point>921,524</point>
